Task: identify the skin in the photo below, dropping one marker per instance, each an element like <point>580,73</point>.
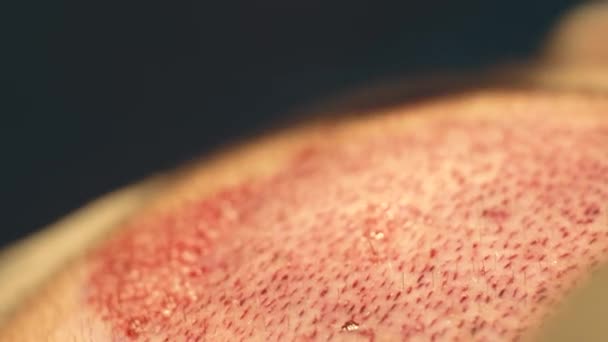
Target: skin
<point>563,91</point>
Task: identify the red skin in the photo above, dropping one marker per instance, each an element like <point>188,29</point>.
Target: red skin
<point>466,230</point>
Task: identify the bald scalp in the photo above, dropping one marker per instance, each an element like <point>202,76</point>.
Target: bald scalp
<point>463,218</point>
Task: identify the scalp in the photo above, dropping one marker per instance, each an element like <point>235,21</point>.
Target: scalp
<point>309,151</point>
<point>465,218</point>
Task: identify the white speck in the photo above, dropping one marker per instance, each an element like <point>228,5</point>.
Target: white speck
<point>350,326</point>
<point>377,235</point>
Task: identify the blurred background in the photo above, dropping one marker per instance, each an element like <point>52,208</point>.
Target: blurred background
<point>101,94</point>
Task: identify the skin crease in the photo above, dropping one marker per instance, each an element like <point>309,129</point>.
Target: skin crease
<point>464,147</point>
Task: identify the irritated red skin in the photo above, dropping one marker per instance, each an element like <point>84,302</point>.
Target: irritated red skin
<point>462,230</point>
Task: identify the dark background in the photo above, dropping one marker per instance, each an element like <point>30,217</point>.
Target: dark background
<point>101,94</point>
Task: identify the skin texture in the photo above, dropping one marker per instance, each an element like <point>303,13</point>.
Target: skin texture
<point>461,217</point>
<point>421,226</point>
